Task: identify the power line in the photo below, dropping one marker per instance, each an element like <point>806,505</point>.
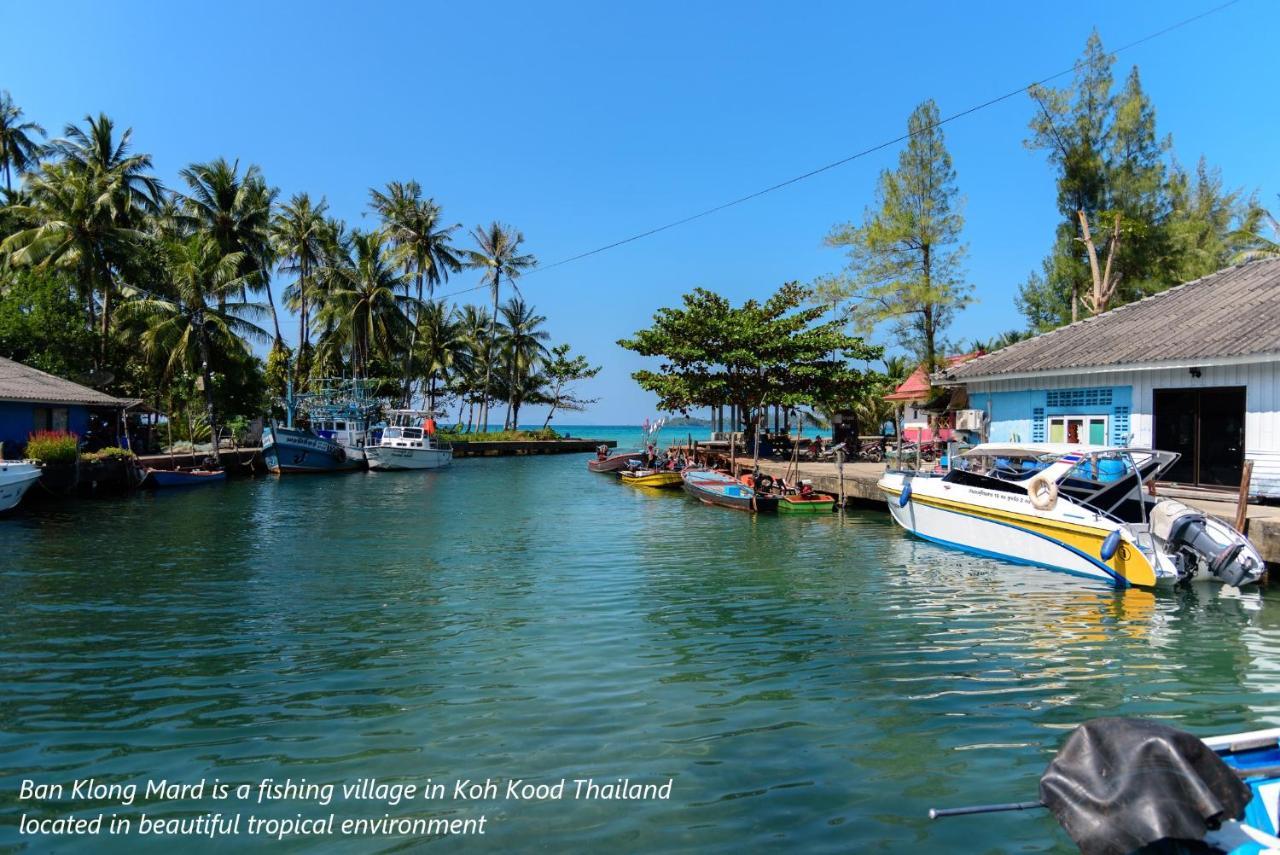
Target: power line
<point>863,153</point>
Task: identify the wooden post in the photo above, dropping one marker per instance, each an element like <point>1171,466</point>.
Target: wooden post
<point>1242,501</point>
<point>733,455</point>
<point>840,472</point>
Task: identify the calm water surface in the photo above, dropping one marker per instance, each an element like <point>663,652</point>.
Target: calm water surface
<point>813,683</point>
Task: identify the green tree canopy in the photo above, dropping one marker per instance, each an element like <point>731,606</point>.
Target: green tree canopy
<point>753,355</point>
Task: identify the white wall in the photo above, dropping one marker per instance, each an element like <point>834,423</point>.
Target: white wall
<point>1262,405</point>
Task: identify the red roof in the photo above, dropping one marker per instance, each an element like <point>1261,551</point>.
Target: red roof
<point>917,388</point>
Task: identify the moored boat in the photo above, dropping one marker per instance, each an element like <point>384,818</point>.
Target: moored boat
<point>719,488</point>
<point>184,477</point>
<point>606,462</point>
<point>16,477</point>
<point>1081,509</point>
<point>408,441</point>
<point>659,479</point>
<point>811,503</point>
<point>338,415</point>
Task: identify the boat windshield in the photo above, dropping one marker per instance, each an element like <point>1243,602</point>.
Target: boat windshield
<point>413,433</point>
<point>391,433</point>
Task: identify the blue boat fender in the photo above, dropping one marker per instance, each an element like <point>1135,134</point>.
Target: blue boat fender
<point>905,496</point>
<point>1110,545</point>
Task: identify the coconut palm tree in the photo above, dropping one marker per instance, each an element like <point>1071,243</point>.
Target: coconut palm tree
<point>18,151</point>
<point>297,235</point>
<point>442,346</point>
<point>235,210</point>
<point>474,324</point>
<point>361,303</point>
<point>1255,245</point>
<point>203,316</point>
<point>522,347</point>
<point>498,256</point>
<point>421,242</point>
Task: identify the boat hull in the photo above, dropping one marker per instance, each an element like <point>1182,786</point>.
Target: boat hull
<point>15,479</point>
<point>289,450</point>
<point>614,463</point>
<point>797,505</point>
<point>1013,533</point>
<point>719,489</point>
<point>392,459</point>
<point>652,480</point>
<point>184,478</point>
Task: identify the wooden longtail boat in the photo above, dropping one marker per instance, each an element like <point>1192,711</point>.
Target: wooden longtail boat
<point>718,488</point>
<point>184,477</point>
<point>615,462</point>
<point>652,478</point>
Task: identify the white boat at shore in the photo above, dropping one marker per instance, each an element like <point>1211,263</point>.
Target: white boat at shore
<point>1082,509</point>
<point>16,477</point>
<point>408,442</point>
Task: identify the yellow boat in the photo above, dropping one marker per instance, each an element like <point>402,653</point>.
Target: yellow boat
<point>658,479</point>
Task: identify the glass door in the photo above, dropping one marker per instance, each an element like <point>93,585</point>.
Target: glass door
<point>1205,426</point>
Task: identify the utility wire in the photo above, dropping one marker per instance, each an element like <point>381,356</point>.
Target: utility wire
<point>863,153</point>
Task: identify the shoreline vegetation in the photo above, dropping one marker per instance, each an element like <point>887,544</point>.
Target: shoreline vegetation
<point>114,280</point>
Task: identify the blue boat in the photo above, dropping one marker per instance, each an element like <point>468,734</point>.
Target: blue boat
<point>184,477</point>
<point>338,415</point>
<point>718,488</point>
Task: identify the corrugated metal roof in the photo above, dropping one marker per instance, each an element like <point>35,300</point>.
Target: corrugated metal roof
<point>1232,313</point>
<point>20,382</point>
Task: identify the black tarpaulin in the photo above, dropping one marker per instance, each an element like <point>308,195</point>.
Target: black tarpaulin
<point>1119,784</point>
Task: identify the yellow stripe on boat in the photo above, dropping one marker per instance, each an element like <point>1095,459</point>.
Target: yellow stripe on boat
<point>653,479</point>
<point>1128,562</point>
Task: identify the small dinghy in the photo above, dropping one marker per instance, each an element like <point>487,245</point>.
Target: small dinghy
<point>719,488</point>
<point>806,503</point>
<point>1119,785</point>
<point>184,477</point>
<point>657,479</point>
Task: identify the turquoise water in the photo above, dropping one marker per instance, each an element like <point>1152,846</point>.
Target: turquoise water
<point>813,683</point>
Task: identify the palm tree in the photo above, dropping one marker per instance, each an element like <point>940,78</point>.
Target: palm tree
<point>360,303</point>
<point>442,345</point>
<point>203,314</point>
<point>522,346</point>
<point>474,324</point>
<point>421,242</point>
<point>235,210</point>
<point>68,228</point>
<point>18,151</point>
<point>297,234</point>
<point>498,256</point>
<point>1255,245</point>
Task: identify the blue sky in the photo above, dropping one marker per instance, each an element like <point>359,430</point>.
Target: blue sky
<point>585,123</point>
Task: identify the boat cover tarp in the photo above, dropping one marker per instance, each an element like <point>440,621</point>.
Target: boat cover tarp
<point>1120,784</point>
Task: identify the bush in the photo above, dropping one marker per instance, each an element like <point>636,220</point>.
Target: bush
<point>53,446</point>
<point>499,435</point>
<point>109,453</point>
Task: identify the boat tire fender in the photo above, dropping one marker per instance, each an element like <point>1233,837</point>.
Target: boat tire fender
<point>1043,492</point>
<point>764,482</point>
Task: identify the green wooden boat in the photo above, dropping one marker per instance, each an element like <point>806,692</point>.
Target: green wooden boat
<point>815,503</point>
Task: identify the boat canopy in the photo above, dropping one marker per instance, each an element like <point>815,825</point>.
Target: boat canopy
<point>1046,450</point>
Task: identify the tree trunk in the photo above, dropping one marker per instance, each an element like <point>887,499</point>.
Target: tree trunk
<point>302,325</point>
<point>207,376</point>
<point>107,287</point>
<point>275,319</point>
<point>488,362</point>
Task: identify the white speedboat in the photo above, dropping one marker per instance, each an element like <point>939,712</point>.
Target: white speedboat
<point>16,477</point>
<point>408,442</point>
<point>1076,508</point>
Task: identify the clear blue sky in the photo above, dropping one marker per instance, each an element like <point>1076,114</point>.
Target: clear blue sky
<point>582,124</point>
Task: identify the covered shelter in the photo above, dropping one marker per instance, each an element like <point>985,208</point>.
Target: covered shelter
<point>33,400</point>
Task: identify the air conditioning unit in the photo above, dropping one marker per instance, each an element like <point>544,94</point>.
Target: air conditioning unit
<point>970,419</point>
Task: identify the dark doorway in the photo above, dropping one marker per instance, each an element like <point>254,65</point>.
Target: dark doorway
<point>1205,426</point>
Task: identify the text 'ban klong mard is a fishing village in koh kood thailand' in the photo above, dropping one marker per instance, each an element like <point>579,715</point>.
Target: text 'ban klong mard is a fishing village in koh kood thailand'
<point>680,429</point>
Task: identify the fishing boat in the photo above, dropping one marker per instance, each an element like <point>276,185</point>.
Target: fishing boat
<point>408,441</point>
<point>338,414</point>
<point>658,479</point>
<point>16,477</point>
<point>1082,509</point>
<point>806,503</point>
<point>719,488</point>
<point>187,476</point>
<point>1122,785</point>
<point>606,462</point>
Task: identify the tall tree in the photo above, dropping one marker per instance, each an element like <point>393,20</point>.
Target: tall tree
<point>1252,244</point>
<point>442,346</point>
<point>422,245</point>
<point>297,233</point>
<point>203,315</point>
<point>235,210</point>
<point>497,256</point>
<point>19,152</point>
<point>905,259</point>
<point>361,303</point>
<point>522,347</point>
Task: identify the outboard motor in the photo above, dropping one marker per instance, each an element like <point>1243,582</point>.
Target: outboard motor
<point>1232,563</point>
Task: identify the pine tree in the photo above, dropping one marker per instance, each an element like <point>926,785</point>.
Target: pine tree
<point>905,259</point>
